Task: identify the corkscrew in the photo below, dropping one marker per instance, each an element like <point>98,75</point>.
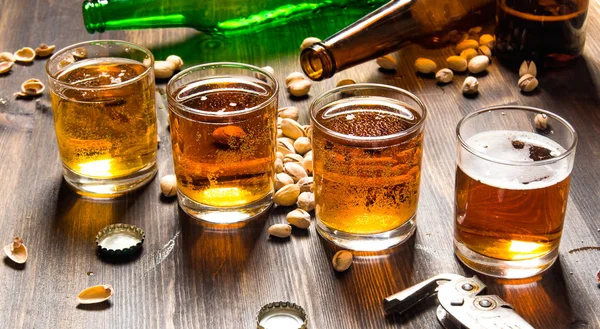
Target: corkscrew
<point>460,304</point>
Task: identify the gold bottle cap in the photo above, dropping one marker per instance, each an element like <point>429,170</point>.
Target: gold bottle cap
<point>118,240</point>
<point>281,315</point>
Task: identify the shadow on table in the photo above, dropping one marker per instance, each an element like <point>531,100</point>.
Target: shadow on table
<point>81,218</point>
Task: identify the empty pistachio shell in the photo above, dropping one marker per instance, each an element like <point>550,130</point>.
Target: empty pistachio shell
<point>302,145</point>
<point>306,184</point>
<point>5,67</point>
<point>175,60</point>
<point>528,83</point>
<point>342,260</point>
<point>164,69</point>
<point>287,195</point>
<point>300,88</point>
<point>309,42</point>
<point>32,87</point>
<point>298,218</point>
<point>25,55</point>
<point>282,179</point>
<point>290,112</point>
<point>95,294</point>
<point>457,63</point>
<point>468,54</point>
<point>479,64</point>
<point>444,75</point>
<point>295,170</point>
<point>293,77</point>
<point>16,251</point>
<point>541,121</point>
<point>487,40</point>
<point>528,68</point>
<point>387,62</point>
<point>306,201</point>
<point>44,50</point>
<point>280,230</point>
<point>168,185</point>
<point>291,128</point>
<point>466,44</point>
<point>470,86</point>
<point>7,57</point>
<point>425,65</point>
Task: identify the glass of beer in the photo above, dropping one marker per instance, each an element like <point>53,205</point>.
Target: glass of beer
<point>223,121</point>
<point>512,184</point>
<point>367,149</point>
<point>104,115</point>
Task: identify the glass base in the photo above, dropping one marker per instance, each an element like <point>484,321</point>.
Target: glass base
<point>506,269</point>
<point>104,188</point>
<point>224,215</point>
<point>368,242</point>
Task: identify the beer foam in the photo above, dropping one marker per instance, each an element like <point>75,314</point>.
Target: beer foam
<point>497,144</point>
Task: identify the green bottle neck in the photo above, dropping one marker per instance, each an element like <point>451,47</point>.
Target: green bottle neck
<point>102,15</point>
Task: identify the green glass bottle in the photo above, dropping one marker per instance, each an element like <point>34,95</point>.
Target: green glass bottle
<point>226,17</point>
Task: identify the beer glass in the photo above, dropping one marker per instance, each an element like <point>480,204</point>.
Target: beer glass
<point>367,149</point>
<point>103,103</point>
<point>512,184</point>
<point>223,121</point>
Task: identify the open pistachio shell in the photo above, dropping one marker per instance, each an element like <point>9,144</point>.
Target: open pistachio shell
<point>16,251</point>
<point>32,87</point>
<point>5,67</point>
<point>95,294</point>
<point>44,50</point>
<point>7,57</point>
<point>25,55</point>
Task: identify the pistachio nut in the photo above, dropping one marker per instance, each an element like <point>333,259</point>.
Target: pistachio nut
<point>16,251</point>
<point>279,155</point>
<point>387,62</point>
<point>528,83</point>
<point>287,195</point>
<point>291,128</point>
<point>479,64</point>
<point>485,50</point>
<point>168,185</point>
<point>425,65</point>
<point>293,77</point>
<point>540,121</point>
<point>279,132</point>
<point>470,86</point>
<point>468,54</point>
<point>284,147</point>
<point>528,68</point>
<point>306,201</point>
<point>302,145</point>
<point>282,179</point>
<point>299,218</point>
<point>306,184</point>
<point>444,75</point>
<point>229,136</point>
<point>342,260</point>
<point>79,53</point>
<point>292,157</point>
<point>176,61</point>
<point>309,42</point>
<point>466,44</point>
<point>295,170</point>
<point>345,82</point>
<point>163,69</point>
<point>457,63</point>
<point>44,50</point>
<point>280,230</point>
<point>278,165</point>
<point>290,112</point>
<point>475,30</point>
<point>300,88</point>
<point>307,164</point>
<point>487,40</point>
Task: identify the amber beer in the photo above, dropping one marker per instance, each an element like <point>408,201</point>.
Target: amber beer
<point>367,160</point>
<point>223,132</point>
<point>104,117</point>
<point>512,188</point>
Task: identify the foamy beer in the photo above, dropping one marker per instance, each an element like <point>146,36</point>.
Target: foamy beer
<point>512,184</point>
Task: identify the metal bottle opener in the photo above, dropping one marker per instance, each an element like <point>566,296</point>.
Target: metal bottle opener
<point>460,306</point>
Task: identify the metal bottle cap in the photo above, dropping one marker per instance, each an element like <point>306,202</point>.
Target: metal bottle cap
<point>120,240</point>
<point>281,315</point>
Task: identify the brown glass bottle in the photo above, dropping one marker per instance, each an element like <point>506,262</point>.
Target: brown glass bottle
<point>391,27</point>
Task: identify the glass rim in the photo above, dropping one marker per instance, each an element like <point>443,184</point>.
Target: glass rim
<point>358,86</point>
<point>568,151</point>
<point>193,69</point>
<point>112,86</point>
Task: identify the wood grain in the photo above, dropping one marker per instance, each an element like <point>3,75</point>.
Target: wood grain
<point>189,276</point>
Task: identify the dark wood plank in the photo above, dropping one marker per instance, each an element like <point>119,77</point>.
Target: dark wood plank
<point>192,277</point>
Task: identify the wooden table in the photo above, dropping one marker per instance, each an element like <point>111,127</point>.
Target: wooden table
<point>190,277</point>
